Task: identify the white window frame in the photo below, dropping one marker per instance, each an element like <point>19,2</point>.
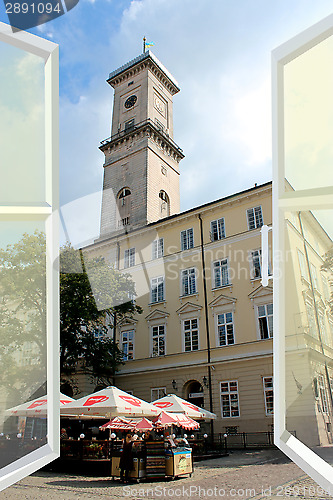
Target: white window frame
<point>220,229</point>
<point>126,332</point>
<point>314,276</point>
<point>310,199</point>
<point>302,264</point>
<point>230,393</point>
<point>161,392</point>
<point>158,248</point>
<point>159,335</point>
<point>225,323</point>
<point>322,394</point>
<point>266,395</point>
<point>267,316</point>
<point>129,257</point>
<point>157,290</point>
<point>48,211</point>
<point>256,217</point>
<point>191,330</point>
<point>189,274</point>
<point>187,239</point>
<point>218,267</point>
<point>256,254</point>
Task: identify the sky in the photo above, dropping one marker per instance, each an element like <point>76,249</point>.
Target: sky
<point>219,52</point>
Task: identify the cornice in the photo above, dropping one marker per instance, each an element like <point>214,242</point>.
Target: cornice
<point>143,130</point>
<point>147,60</point>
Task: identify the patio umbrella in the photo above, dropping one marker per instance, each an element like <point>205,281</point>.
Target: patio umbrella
<point>165,420</point>
<point>144,425</point>
<point>118,424</point>
<point>186,422</point>
<point>36,407</point>
<point>175,404</point>
<point>110,402</point>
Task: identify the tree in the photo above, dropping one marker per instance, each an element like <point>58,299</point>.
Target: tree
<point>92,294</point>
<point>23,316</point>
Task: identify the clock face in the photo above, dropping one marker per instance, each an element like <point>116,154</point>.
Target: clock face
<point>129,103</point>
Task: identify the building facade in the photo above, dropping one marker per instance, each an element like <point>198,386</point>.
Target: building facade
<point>207,324</point>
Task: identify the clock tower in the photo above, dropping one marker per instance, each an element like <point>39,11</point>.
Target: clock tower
<point>141,168</point>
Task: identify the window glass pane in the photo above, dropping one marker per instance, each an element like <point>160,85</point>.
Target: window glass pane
<point>308,125</point>
<point>22,133</point>
<point>308,338</point>
<point>23,336</point>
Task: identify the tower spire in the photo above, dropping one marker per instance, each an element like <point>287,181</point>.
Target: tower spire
<point>144,44</point>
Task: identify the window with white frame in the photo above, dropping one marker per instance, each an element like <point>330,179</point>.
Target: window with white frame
<point>189,286</point>
<point>158,248</point>
<point>186,239</point>
<point>157,393</point>
<point>322,392</point>
<point>268,395</point>
<point>265,319</point>
<point>221,275</point>
<point>229,399</point>
<point>225,329</point>
<point>256,264</point>
<point>191,334</point>
<point>129,258</point>
<point>217,229</point>
<point>158,340</point>
<point>127,345</point>
<point>302,264</point>
<point>311,318</point>
<point>157,289</point>
<point>325,287</point>
<point>314,277</point>
<point>323,331</point>
<point>254,217</point>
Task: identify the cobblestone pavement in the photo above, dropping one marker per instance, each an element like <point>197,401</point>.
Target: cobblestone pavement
<point>258,475</point>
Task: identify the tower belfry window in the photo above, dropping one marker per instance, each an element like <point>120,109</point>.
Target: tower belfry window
<point>124,207</point>
<point>164,204</point>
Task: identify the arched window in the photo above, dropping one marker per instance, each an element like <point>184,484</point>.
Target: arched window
<point>164,204</point>
<point>124,207</point>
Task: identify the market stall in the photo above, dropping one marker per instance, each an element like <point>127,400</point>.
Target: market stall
<point>157,452</point>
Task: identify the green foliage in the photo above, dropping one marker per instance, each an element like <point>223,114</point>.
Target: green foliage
<point>23,314</point>
<point>92,294</point>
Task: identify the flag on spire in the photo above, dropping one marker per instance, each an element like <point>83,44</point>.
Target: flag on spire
<point>146,45</point>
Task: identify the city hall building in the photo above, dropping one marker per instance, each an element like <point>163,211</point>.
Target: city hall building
<point>206,329</point>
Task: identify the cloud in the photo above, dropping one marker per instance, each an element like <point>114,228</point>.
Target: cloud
<point>220,54</point>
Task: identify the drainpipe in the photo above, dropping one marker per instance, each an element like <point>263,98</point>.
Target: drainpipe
<point>207,326</point>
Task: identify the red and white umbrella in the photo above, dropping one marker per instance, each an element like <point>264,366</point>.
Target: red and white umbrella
<point>165,420</point>
<point>186,422</point>
<point>36,407</point>
<point>110,402</point>
<point>118,424</point>
<point>144,425</point>
<point>175,404</point>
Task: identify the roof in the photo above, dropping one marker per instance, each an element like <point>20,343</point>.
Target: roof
<point>110,236</point>
<point>145,55</point>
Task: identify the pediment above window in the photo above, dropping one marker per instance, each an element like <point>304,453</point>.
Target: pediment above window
<point>189,307</point>
<point>261,295</point>
<point>127,322</point>
<point>223,300</point>
<point>261,291</point>
<point>157,315</point>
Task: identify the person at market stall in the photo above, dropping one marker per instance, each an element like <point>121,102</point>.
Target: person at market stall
<point>126,458</point>
<point>63,434</point>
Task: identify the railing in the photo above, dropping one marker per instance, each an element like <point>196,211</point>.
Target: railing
<point>123,133</point>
